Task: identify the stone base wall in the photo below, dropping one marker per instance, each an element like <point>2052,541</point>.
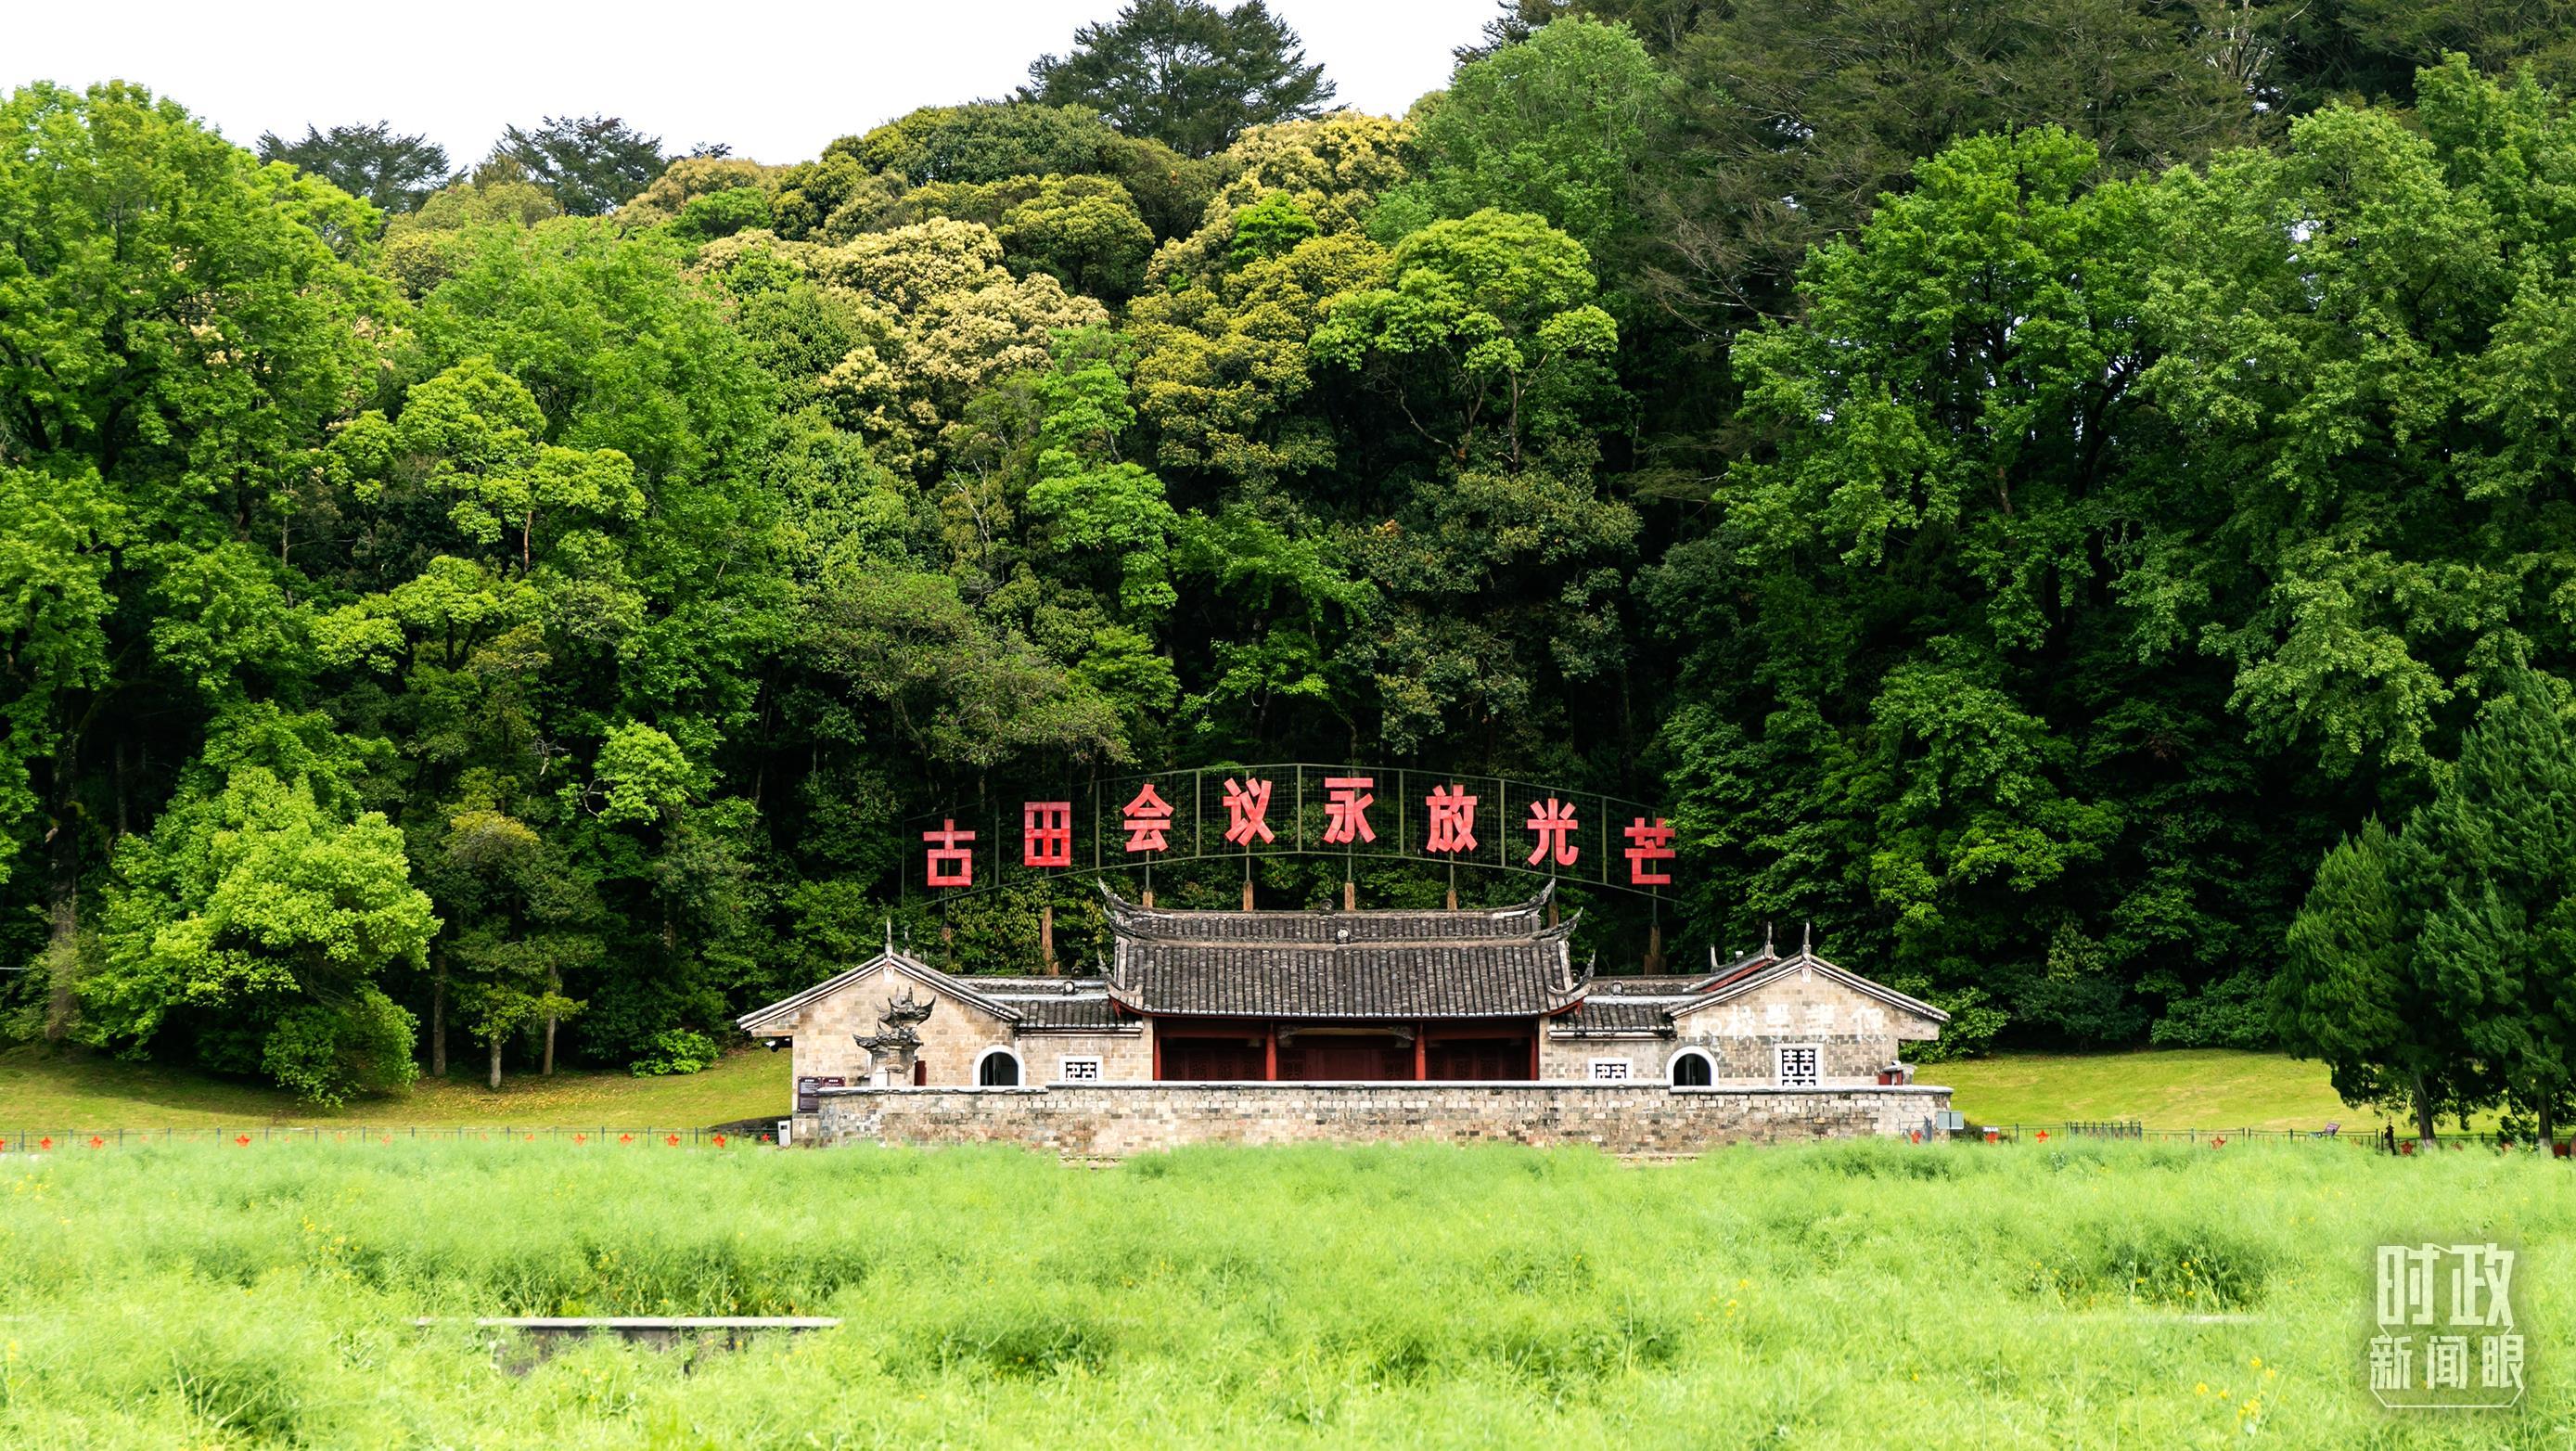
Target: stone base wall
<point>1113,1120</point>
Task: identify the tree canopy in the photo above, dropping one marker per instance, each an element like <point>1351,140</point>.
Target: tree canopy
<point>375,163</point>
<point>1185,73</point>
<point>2071,499</point>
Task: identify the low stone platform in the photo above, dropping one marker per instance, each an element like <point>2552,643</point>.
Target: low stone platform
<point>1114,1120</point>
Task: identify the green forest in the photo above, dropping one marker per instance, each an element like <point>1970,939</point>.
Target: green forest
<point>2072,498</point>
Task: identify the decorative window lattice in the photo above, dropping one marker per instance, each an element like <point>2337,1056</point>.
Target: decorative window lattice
<point>1080,1070</point>
<point>1609,1070</point>
<point>1800,1067</point>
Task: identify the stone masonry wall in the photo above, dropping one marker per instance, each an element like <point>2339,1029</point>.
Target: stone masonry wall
<point>1126,1057</point>
<point>952,1038</point>
<point>1854,1034</point>
<point>1112,1120</point>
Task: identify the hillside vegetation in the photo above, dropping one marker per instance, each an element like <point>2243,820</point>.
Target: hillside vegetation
<point>2014,484</point>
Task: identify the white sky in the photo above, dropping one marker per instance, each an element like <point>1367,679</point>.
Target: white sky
<point>776,79</point>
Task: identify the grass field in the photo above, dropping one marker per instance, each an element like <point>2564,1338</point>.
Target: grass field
<point>2182,1088</point>
<point>44,1088</point>
<point>1846,1295</point>
<point>49,1088</point>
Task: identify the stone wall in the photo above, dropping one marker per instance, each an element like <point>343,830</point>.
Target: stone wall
<point>1113,1120</point>
<point>1127,1056</point>
<point>1570,1059</point>
<point>953,1037</point>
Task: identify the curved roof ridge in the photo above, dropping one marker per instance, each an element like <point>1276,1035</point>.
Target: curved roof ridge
<point>1520,922</point>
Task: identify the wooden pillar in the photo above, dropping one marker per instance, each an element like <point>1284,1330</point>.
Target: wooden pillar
<point>1247,892</point>
<point>1148,900</point>
<point>1421,1052</point>
<point>1269,1047</point>
<point>1046,937</point>
<point>1350,895</point>
<point>1655,947</point>
<point>1158,1049</point>
<point>1535,1029</point>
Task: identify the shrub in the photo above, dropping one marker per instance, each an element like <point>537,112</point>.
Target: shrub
<point>676,1050</point>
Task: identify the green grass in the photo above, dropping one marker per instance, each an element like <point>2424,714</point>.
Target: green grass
<point>72,1089</point>
<point>1842,1295</point>
<point>52,1088</point>
<point>2181,1088</point>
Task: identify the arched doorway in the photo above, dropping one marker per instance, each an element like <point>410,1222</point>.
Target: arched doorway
<point>999,1068</point>
<point>1690,1068</point>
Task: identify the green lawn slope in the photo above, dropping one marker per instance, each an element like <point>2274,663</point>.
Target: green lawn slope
<point>47,1088</point>
<point>2180,1088</point>
<point>72,1089</point>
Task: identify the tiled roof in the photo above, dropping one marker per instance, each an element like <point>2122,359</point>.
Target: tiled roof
<point>1523,922</point>
<point>1342,965</point>
<point>1617,1014</point>
<point>1091,1011</point>
<point>1736,984</point>
<point>1654,985</point>
<point>963,990</point>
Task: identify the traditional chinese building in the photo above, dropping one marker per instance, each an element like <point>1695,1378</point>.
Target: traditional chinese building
<point>1277,1026</point>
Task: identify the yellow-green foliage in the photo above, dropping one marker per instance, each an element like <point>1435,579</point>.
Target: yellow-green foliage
<point>691,177</point>
<point>1839,1295</point>
<point>1333,168</point>
<point>943,318</point>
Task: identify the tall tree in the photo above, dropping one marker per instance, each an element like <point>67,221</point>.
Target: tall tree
<point>176,334</point>
<point>1559,125</point>
<point>591,164</point>
<point>1185,73</point>
<point>391,169</point>
<point>262,914</point>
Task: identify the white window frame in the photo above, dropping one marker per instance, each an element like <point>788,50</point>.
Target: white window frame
<point>1064,1069</point>
<point>1626,1070</point>
<point>1672,1065</point>
<point>1780,1064</point>
<point>977,1081</point>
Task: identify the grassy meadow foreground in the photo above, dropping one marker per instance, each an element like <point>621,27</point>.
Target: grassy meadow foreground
<point>1836,1295</point>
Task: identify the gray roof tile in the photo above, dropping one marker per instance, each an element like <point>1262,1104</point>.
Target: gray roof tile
<point>1342,965</point>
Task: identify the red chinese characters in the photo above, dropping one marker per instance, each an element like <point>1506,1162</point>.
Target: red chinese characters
<point>1648,844</point>
<point>1145,820</point>
<point>951,863</point>
<point>1346,804</point>
<point>1247,809</point>
<point>1552,822</point>
<point>1453,820</point>
<point>1046,833</point>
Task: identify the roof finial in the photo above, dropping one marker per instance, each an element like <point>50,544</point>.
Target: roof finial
<point>1806,938</point>
<point>1767,950</point>
<point>1712,957</point>
<point>889,935</point>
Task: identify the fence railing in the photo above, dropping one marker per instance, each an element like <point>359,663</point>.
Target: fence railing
<point>2370,1138</point>
<point>756,1133</point>
<point>64,1140</point>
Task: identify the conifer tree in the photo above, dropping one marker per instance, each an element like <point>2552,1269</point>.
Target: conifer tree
<point>2499,938</point>
<point>2350,990</point>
